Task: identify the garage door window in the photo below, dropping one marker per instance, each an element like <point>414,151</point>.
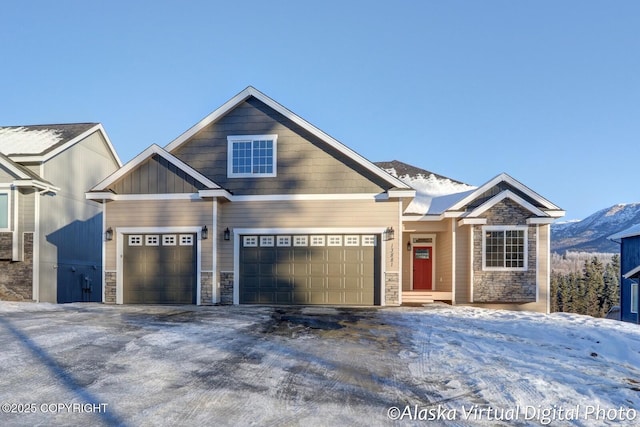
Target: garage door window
<point>266,241</point>
<point>352,240</point>
<point>317,240</point>
<point>152,240</point>
<point>169,240</point>
<point>368,240</point>
<point>335,240</point>
<point>250,241</point>
<point>300,240</point>
<point>135,240</point>
<point>284,241</point>
<point>186,240</point>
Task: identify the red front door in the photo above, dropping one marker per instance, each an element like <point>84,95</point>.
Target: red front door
<point>422,267</point>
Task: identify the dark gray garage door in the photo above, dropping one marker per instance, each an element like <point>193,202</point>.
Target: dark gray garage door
<point>159,269</point>
<point>310,269</point>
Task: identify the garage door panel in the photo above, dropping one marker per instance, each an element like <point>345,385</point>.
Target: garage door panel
<point>158,272</point>
<point>312,269</point>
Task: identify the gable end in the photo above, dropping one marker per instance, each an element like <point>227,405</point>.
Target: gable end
<point>156,175</point>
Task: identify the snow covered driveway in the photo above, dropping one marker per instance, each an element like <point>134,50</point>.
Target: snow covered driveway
<point>90,364</point>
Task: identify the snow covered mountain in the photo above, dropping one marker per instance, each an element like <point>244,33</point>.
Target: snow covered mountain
<point>590,234</point>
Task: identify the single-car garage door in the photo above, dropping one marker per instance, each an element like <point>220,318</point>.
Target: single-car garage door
<point>159,269</point>
<point>310,269</point>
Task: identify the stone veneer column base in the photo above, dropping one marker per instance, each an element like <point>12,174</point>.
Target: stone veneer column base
<point>226,287</point>
<point>16,277</point>
<point>392,289</point>
<point>206,288</point>
<point>110,287</point>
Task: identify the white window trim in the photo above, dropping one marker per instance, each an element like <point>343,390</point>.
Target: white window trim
<point>523,228</point>
<point>8,193</point>
<point>231,139</point>
<point>634,304</point>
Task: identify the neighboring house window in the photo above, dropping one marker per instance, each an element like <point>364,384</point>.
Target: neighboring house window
<point>251,155</point>
<point>634,298</point>
<point>4,211</point>
<point>504,248</point>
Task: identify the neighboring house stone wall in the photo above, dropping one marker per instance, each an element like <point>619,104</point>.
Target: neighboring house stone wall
<point>392,289</point>
<point>505,286</point>
<point>110,287</point>
<point>16,278</point>
<point>226,287</point>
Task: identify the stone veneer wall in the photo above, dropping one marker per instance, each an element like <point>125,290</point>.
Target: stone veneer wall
<point>505,286</point>
<point>16,277</point>
<point>206,288</point>
<point>392,289</point>
<point>110,287</point>
<point>226,287</point>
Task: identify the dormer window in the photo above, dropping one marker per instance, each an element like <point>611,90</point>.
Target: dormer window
<point>250,156</point>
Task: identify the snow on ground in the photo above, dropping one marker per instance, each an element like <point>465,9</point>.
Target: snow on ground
<point>185,365</point>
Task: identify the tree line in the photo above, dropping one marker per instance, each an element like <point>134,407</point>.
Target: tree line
<point>591,291</point>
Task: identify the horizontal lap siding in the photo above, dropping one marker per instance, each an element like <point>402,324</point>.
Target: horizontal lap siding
<point>463,264</point>
<point>159,213</point>
<point>304,214</point>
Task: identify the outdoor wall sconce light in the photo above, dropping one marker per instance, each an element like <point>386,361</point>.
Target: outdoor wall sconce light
<point>388,234</point>
<point>409,246</point>
<point>205,233</point>
<point>227,234</point>
<point>108,234</point>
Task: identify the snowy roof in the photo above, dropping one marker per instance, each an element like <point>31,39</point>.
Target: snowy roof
<point>434,193</point>
<point>38,139</point>
<point>629,232</point>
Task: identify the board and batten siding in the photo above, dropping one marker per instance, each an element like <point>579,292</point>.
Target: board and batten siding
<point>305,215</point>
<point>156,176</point>
<point>305,164</point>
<point>159,213</point>
<point>71,225</point>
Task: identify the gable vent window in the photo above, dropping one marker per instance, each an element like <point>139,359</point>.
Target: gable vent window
<point>504,248</point>
<point>251,156</point>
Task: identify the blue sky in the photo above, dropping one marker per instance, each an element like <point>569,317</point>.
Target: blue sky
<point>547,91</point>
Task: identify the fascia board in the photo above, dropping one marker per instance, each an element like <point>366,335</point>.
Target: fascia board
<point>507,194</point>
<point>503,177</point>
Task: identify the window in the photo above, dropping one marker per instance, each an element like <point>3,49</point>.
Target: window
<point>169,240</point>
<point>335,240</point>
<point>267,241</point>
<point>352,240</point>
<point>317,240</point>
<point>504,248</point>
<point>368,240</point>
<point>186,240</point>
<point>634,298</point>
<point>251,156</point>
<point>152,240</point>
<point>250,241</point>
<point>300,240</point>
<point>284,240</point>
<point>135,240</point>
<point>4,211</point>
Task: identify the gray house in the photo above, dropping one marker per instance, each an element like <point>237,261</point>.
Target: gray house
<point>50,247</point>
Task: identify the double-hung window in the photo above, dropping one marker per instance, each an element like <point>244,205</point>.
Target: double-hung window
<point>4,211</point>
<point>504,248</point>
<point>251,156</point>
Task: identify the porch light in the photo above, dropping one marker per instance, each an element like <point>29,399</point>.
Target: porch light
<point>205,233</point>
<point>227,234</point>
<point>409,246</point>
<point>108,234</point>
<point>388,234</point>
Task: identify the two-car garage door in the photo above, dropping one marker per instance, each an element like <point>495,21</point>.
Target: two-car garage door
<point>309,269</point>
